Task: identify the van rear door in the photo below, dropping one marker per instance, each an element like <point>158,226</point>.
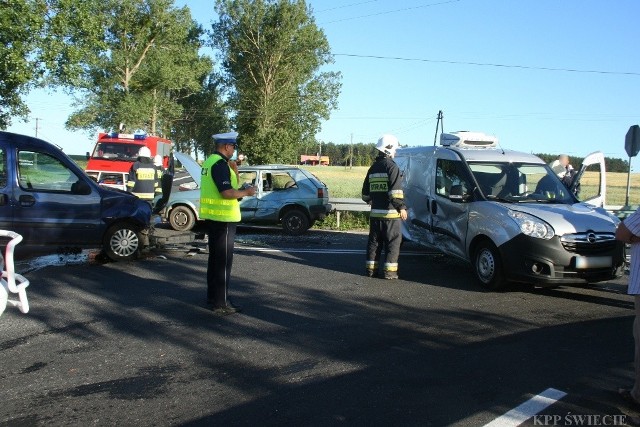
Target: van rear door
<point>590,183</point>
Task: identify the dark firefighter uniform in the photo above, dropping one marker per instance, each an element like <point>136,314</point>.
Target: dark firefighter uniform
<point>143,180</point>
<point>382,188</point>
<point>221,216</point>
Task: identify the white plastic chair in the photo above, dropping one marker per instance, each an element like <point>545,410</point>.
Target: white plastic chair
<point>12,283</point>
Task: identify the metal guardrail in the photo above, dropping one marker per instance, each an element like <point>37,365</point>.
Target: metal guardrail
<point>339,205</point>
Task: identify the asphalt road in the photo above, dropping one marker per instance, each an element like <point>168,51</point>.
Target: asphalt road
<point>316,344</point>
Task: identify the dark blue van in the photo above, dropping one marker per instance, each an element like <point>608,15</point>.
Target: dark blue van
<point>57,208</point>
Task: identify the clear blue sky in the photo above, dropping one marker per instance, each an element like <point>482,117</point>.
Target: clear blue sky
<point>545,76</point>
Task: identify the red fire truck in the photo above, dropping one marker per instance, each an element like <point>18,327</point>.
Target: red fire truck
<point>114,153</point>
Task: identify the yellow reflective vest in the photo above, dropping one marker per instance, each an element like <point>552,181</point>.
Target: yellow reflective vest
<point>212,205</point>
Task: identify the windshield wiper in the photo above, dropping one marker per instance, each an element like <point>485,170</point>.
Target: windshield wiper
<point>508,199</point>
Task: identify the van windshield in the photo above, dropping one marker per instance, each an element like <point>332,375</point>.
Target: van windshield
<point>116,151</point>
<point>520,182</point>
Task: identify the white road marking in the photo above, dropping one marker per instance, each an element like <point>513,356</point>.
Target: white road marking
<point>528,409</point>
<point>319,251</point>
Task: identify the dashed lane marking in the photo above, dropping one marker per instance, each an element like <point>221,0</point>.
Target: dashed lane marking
<point>528,409</point>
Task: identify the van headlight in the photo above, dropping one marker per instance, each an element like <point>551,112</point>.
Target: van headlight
<point>532,226</point>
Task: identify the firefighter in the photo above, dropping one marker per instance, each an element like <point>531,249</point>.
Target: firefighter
<point>143,179</point>
<point>220,208</point>
<point>382,189</point>
<point>157,164</point>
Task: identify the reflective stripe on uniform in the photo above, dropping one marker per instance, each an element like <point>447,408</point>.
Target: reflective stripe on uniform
<point>397,194</point>
<point>145,196</point>
<point>382,213</point>
<point>372,265</point>
<point>390,266</point>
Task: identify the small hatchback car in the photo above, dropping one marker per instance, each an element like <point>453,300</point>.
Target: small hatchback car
<point>287,195</point>
<point>57,208</point>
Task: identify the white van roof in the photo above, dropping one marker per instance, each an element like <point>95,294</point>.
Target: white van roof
<point>493,154</point>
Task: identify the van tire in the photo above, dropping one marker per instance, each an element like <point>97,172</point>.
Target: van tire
<point>182,218</point>
<point>488,266</point>
<point>295,222</point>
<point>122,242</point>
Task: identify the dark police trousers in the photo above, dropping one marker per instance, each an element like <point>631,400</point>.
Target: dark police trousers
<point>221,243</point>
<point>385,233</point>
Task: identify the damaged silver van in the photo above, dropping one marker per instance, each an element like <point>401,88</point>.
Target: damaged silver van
<point>508,214</point>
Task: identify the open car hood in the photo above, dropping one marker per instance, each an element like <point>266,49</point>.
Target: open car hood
<point>194,169</point>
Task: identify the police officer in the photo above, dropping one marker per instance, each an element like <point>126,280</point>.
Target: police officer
<point>143,179</point>
<point>382,189</point>
<point>220,208</point>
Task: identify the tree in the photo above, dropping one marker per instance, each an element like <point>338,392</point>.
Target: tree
<point>126,61</point>
<point>21,23</point>
<point>204,114</point>
<point>271,53</point>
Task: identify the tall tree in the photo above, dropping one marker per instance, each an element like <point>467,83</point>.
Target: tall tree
<point>131,65</point>
<point>21,26</point>
<point>272,52</point>
<point>204,114</point>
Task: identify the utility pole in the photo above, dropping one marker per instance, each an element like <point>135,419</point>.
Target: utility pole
<point>351,153</point>
<point>37,126</point>
<point>441,123</point>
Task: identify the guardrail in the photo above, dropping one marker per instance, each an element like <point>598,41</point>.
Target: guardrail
<point>339,205</point>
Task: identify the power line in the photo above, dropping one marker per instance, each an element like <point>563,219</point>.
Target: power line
<point>391,11</point>
<point>488,64</point>
<point>346,5</point>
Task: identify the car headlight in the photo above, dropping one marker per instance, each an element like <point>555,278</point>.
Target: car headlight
<point>532,226</point>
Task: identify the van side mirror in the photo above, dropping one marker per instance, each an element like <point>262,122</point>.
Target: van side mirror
<point>457,194</point>
<point>80,187</point>
<point>88,155</point>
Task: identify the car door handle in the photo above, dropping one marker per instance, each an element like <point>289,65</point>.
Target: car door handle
<point>26,200</point>
<point>4,199</point>
<point>434,207</point>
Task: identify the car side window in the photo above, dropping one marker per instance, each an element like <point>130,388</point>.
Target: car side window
<point>43,172</point>
<point>282,181</point>
<point>247,178</point>
<point>448,174</point>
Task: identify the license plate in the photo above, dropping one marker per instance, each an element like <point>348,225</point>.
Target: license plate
<point>593,262</point>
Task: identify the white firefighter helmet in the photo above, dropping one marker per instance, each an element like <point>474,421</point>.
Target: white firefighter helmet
<point>144,152</point>
<point>387,144</point>
<point>157,160</point>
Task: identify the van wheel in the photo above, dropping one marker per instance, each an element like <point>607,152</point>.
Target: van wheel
<point>488,266</point>
<point>122,242</point>
<point>182,218</point>
<point>295,222</point>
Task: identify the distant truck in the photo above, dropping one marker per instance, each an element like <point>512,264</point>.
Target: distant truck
<point>114,153</point>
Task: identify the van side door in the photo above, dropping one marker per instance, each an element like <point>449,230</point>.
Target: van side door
<point>449,207</point>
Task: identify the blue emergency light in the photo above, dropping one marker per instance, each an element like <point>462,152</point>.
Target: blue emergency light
<point>139,135</point>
